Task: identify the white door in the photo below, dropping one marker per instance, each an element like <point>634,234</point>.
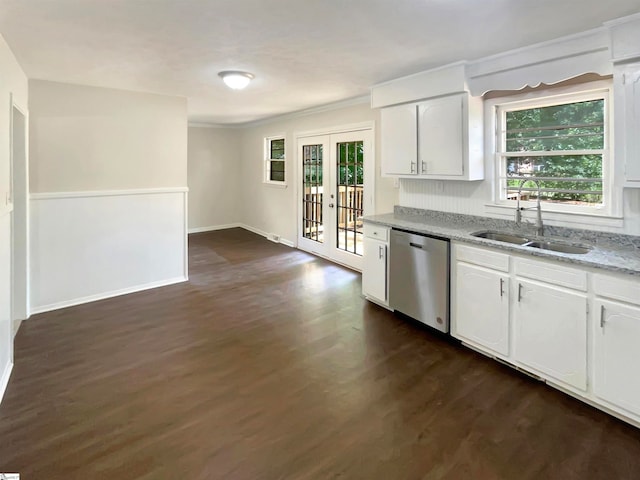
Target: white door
<point>617,336</point>
<point>551,332</point>
<point>481,307</point>
<point>335,185</point>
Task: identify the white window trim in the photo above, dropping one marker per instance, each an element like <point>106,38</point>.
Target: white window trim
<point>612,207</point>
<point>267,161</point>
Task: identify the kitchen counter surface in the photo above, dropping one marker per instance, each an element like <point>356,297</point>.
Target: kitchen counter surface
<point>611,252</point>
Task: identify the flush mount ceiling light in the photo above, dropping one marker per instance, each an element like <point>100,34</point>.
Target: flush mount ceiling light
<point>235,79</point>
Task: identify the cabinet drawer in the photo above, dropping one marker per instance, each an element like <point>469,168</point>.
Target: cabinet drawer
<point>623,289</point>
<point>376,231</point>
<point>481,256</point>
<point>551,273</point>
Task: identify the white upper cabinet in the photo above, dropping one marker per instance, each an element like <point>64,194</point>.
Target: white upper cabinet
<point>399,142</point>
<point>628,121</point>
<point>439,139</point>
<point>441,136</point>
<point>431,127</point>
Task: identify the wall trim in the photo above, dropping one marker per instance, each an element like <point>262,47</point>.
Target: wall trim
<point>268,236</point>
<point>4,380</point>
<point>212,228</point>
<point>106,193</point>
<point>105,295</point>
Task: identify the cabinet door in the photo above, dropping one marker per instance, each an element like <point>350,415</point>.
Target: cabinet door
<point>482,307</point>
<point>631,124</point>
<point>440,136</point>
<point>551,331</point>
<point>374,270</point>
<point>616,343</point>
<point>399,140</point>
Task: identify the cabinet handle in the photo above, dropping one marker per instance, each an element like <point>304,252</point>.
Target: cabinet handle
<point>501,285</point>
<point>602,316</point>
<point>424,167</point>
<point>380,251</point>
<point>519,292</point>
<point>414,166</point>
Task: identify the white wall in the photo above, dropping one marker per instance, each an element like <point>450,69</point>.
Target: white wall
<point>214,162</point>
<point>108,175</point>
<point>13,84</point>
<point>272,209</point>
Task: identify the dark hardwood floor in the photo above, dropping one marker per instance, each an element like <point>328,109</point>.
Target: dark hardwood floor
<point>268,364</point>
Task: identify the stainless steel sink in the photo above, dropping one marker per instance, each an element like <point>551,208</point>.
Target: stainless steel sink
<point>559,247</point>
<point>501,237</point>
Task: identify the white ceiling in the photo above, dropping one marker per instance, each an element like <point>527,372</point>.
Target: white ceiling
<point>303,53</point>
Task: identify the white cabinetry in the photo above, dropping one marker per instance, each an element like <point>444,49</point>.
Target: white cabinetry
<point>616,333</point>
<point>480,310</point>
<point>628,120</point>
<point>399,142</point>
<point>439,138</point>
<point>550,332</point>
<point>374,265</point>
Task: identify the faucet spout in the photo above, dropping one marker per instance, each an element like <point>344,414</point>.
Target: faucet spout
<point>539,223</point>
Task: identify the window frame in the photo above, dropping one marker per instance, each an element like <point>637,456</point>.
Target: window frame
<point>268,160</point>
<point>545,97</point>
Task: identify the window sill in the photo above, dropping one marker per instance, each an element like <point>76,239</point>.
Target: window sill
<point>589,221</point>
<point>275,184</point>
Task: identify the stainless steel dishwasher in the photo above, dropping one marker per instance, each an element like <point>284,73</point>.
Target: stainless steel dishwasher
<point>419,278</point>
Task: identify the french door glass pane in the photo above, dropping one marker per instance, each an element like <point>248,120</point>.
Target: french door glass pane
<point>312,192</point>
<point>350,188</point>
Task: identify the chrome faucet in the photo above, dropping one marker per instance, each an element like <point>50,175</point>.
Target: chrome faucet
<point>539,224</point>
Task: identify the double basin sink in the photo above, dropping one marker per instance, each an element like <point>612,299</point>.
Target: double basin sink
<point>551,245</point>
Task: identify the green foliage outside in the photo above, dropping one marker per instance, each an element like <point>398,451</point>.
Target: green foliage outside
<point>568,127</point>
<point>350,164</point>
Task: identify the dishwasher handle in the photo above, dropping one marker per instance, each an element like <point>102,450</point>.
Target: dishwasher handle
<point>415,245</point>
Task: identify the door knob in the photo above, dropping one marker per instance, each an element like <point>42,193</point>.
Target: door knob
<point>331,205</point>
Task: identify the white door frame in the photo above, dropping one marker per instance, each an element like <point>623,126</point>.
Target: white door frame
<point>369,179</point>
<point>19,218</point>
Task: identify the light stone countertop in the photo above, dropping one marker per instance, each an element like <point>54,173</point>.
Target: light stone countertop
<point>611,252</point>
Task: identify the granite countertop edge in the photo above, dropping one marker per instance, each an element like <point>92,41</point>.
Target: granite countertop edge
<point>623,259</point>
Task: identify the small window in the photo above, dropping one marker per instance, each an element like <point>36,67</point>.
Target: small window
<point>557,147</point>
<point>275,160</point>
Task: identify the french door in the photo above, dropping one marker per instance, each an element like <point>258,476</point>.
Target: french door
<point>335,185</point>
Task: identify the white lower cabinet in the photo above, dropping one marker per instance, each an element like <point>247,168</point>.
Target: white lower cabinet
<point>550,332</point>
<point>616,354</point>
<point>375,265</point>
<point>482,307</point>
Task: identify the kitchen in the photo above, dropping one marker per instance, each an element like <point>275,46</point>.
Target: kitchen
<point>432,196</point>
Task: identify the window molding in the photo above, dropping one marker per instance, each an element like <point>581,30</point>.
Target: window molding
<point>544,96</point>
<point>268,161</point>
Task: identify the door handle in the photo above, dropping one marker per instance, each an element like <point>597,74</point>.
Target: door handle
<point>602,316</point>
<point>519,292</point>
<point>414,167</point>
<point>501,287</point>
<point>424,167</point>
<point>331,205</point>
<point>380,252</point>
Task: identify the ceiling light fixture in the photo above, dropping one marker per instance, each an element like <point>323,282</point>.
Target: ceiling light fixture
<point>235,79</point>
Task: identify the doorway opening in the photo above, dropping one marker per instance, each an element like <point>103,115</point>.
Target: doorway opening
<point>19,218</point>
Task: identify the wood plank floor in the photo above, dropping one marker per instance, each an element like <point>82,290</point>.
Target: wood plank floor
<point>269,365</point>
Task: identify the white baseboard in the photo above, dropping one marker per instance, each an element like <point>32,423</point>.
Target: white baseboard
<point>103,296</point>
<point>214,227</point>
<point>4,380</point>
<point>268,236</point>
